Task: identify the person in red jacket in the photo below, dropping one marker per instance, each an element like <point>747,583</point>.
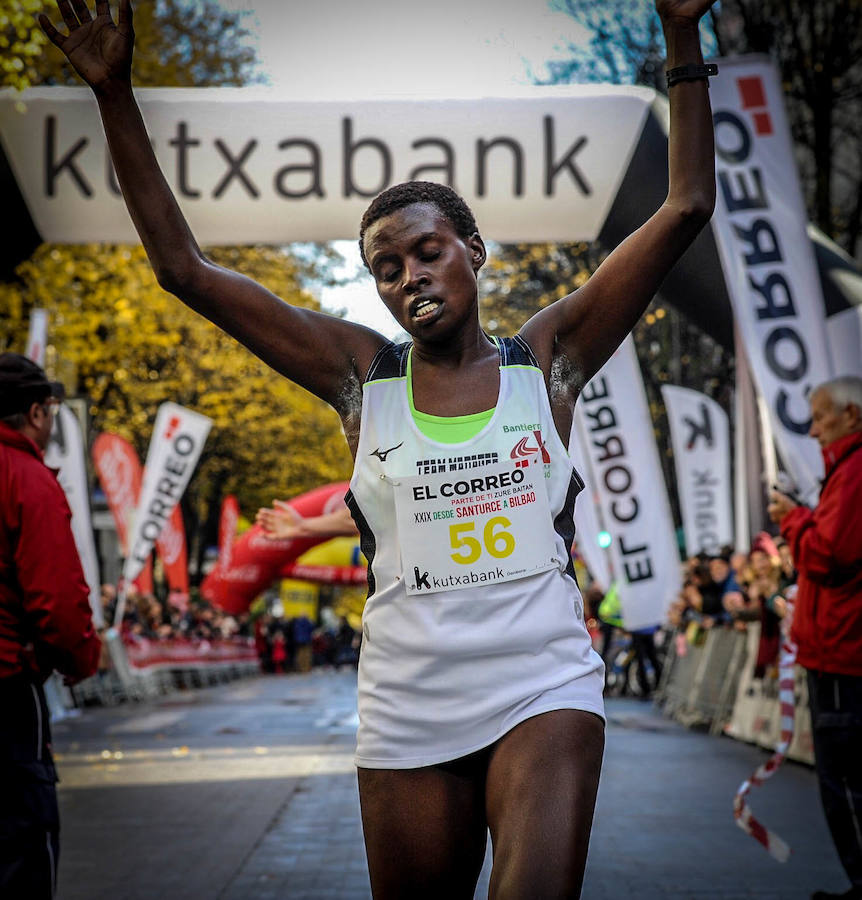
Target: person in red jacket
<point>826,544</point>
<point>45,624</point>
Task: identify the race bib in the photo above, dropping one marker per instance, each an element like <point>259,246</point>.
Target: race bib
<point>482,526</point>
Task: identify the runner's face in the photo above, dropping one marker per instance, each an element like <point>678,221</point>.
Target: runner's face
<point>425,273</point>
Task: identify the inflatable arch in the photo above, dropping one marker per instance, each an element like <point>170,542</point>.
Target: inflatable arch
<point>256,561</point>
<point>571,163</point>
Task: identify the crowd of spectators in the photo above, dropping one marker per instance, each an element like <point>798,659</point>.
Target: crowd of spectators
<point>725,590</point>
<point>145,616</point>
<point>297,644</point>
<point>732,590</point>
<point>283,644</point>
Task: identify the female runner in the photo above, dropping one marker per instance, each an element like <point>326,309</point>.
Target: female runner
<point>479,694</point>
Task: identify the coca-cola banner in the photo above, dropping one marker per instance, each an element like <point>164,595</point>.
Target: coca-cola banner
<point>120,474</point>
<point>628,479</point>
<point>767,257</point>
<point>700,433</point>
<point>256,561</point>
<point>175,447</point>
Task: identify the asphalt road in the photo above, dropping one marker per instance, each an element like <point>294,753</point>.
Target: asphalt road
<point>248,790</point>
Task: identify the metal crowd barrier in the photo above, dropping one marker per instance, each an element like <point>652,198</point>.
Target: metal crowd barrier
<point>711,685</point>
<point>144,670</point>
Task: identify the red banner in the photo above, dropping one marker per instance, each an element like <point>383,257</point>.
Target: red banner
<point>256,561</point>
<point>177,653</point>
<point>120,475</point>
<point>171,547</point>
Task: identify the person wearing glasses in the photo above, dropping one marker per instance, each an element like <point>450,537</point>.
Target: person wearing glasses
<point>45,625</point>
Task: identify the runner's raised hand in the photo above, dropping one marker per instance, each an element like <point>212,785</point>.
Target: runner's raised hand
<point>682,9</point>
<point>100,51</point>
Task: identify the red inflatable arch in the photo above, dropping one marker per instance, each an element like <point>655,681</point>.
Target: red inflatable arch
<point>256,561</point>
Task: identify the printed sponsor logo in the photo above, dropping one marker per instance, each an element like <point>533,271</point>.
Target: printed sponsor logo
<point>761,235</point>
<point>473,486</point>
<point>522,452</point>
<point>753,96</point>
<point>455,463</point>
<point>422,579</point>
<point>699,429</point>
<point>382,454</point>
<point>522,427</point>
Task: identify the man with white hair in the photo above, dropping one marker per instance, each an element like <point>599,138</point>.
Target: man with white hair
<point>826,543</point>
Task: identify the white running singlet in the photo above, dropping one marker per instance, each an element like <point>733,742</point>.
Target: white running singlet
<point>474,621</point>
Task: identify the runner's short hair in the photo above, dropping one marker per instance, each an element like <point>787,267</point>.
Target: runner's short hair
<point>450,204</point>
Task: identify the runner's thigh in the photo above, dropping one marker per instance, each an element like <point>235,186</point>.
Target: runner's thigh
<point>541,792</point>
<point>425,830</point>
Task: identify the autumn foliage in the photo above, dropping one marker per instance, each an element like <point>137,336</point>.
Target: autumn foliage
<point>120,340</point>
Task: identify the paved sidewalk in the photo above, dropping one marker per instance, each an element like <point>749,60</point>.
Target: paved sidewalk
<point>248,791</point>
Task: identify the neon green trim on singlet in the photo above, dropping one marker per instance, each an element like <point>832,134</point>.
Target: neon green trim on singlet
<point>445,429</point>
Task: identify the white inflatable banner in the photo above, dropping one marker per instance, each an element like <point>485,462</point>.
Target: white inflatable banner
<point>700,434</point>
<point>248,166</point>
<point>587,523</point>
<point>65,451</point>
<point>175,447</point>
<point>37,336</point>
<point>845,340</point>
<point>767,257</point>
<point>628,479</point>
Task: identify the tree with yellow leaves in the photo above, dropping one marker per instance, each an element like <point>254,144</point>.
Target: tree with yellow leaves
<point>120,341</point>
<point>21,41</point>
<point>128,346</point>
<point>180,43</point>
<point>521,279</point>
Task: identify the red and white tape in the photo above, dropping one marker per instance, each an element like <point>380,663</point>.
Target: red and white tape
<point>741,811</point>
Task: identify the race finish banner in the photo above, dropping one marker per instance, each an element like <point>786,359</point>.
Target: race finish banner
<point>587,511</point>
<point>767,256</point>
<point>175,447</point>
<point>614,419</point>
<point>120,474</point>
<point>700,434</point>
<point>543,166</point>
<point>65,451</point>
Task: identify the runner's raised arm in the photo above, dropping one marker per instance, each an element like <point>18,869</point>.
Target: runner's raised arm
<point>319,352</point>
<point>588,325</point>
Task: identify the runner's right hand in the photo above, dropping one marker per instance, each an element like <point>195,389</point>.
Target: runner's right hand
<point>99,51</point>
<point>280,522</point>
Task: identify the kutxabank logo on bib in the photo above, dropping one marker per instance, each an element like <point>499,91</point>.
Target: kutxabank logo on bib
<point>485,527</point>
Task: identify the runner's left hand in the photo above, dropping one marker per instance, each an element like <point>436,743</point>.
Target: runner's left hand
<point>682,10</point>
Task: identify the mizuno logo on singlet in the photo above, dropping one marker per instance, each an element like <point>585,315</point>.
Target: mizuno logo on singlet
<point>382,454</point>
